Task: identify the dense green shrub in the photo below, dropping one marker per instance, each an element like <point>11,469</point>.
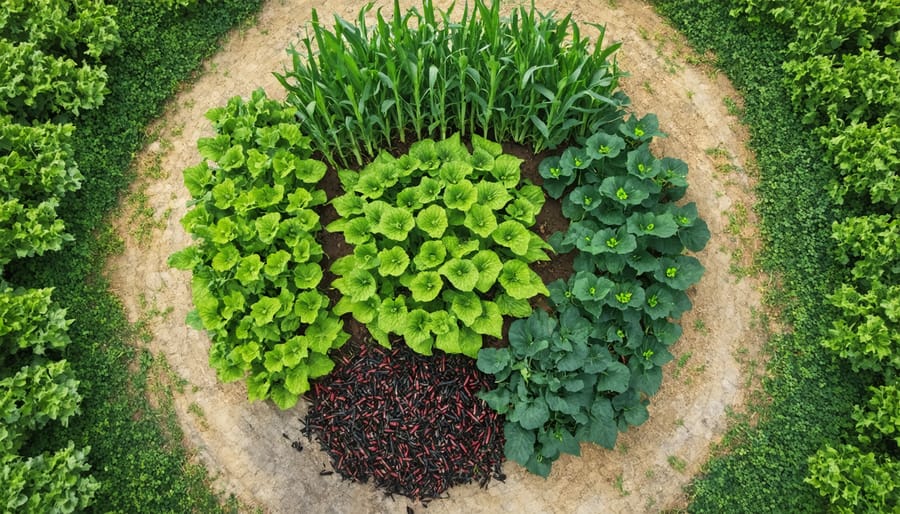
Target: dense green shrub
<point>528,78</point>
<point>844,75</point>
<point>50,56</point>
<point>868,157</point>
<point>37,171</point>
<point>880,419</point>
<point>41,84</point>
<point>35,390</point>
<point>855,482</point>
<point>135,456</point>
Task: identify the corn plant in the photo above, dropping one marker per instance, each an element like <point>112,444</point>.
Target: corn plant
<point>256,262</point>
<point>528,78</point>
<point>441,245</point>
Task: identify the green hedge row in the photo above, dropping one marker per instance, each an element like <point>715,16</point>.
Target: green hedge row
<point>844,77</point>
<point>135,451</point>
<point>49,72</point>
<point>812,394</point>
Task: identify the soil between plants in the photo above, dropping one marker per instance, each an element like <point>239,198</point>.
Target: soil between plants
<point>242,444</point>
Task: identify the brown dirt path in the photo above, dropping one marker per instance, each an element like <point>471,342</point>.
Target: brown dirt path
<point>242,444</point>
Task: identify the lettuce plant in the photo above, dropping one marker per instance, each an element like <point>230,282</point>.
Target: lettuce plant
<point>255,264</point>
<point>441,245</point>
<point>586,372</point>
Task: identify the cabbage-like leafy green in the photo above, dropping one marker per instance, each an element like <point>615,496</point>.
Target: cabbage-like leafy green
<point>438,227</point>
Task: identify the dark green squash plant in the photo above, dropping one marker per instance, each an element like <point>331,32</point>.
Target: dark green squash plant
<point>586,371</point>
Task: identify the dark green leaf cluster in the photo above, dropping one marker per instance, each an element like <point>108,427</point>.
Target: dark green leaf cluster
<point>256,265</point>
<point>845,77</point>
<point>132,456</point>
<point>589,375</point>
<point>441,245</point>
<point>41,87</point>
<point>559,386</point>
<point>528,78</point>
<point>855,481</point>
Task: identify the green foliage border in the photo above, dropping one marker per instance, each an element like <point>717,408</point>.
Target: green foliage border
<point>131,451</point>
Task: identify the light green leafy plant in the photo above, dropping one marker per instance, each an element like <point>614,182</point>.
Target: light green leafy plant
<point>50,55</point>
<point>441,245</point>
<point>879,421</point>
<point>35,392</point>
<point>855,481</point>
<point>255,265</point>
<point>38,170</point>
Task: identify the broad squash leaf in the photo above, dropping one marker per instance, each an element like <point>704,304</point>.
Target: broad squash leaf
<point>465,306</point>
<point>185,259</point>
<point>512,235</point>
<point>392,262</point>
<point>480,219</point>
<point>490,321</point>
<point>461,273</point>
<point>425,286</point>
<point>493,361</point>
<point>519,446</point>
<point>488,265</point>
<point>432,220</point>
<point>460,196</point>
<point>604,146</point>
<point>396,223</point>
<point>492,195</point>
<point>392,315</point>
<point>307,275</point>
<point>358,285</point>
<point>431,254</point>
<point>533,414</point>
<point>308,304</point>
<point>679,273</point>
<point>615,378</point>
<point>310,171</point>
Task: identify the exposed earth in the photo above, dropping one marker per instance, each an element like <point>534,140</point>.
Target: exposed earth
<point>716,360</point>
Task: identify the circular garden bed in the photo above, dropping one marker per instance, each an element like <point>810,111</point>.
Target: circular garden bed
<point>436,242</point>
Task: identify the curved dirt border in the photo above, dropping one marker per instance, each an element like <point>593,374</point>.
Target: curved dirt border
<point>242,444</point>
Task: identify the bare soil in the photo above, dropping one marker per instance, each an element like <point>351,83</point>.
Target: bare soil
<point>716,359</point>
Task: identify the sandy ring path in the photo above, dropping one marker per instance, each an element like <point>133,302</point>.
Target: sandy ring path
<point>241,443</point>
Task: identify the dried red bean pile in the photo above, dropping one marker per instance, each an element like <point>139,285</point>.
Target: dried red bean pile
<point>413,424</point>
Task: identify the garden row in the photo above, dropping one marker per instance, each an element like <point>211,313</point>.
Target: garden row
<point>441,237</point>
<point>76,89</point>
<point>50,60</point>
<point>845,80</point>
<point>832,67</point>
